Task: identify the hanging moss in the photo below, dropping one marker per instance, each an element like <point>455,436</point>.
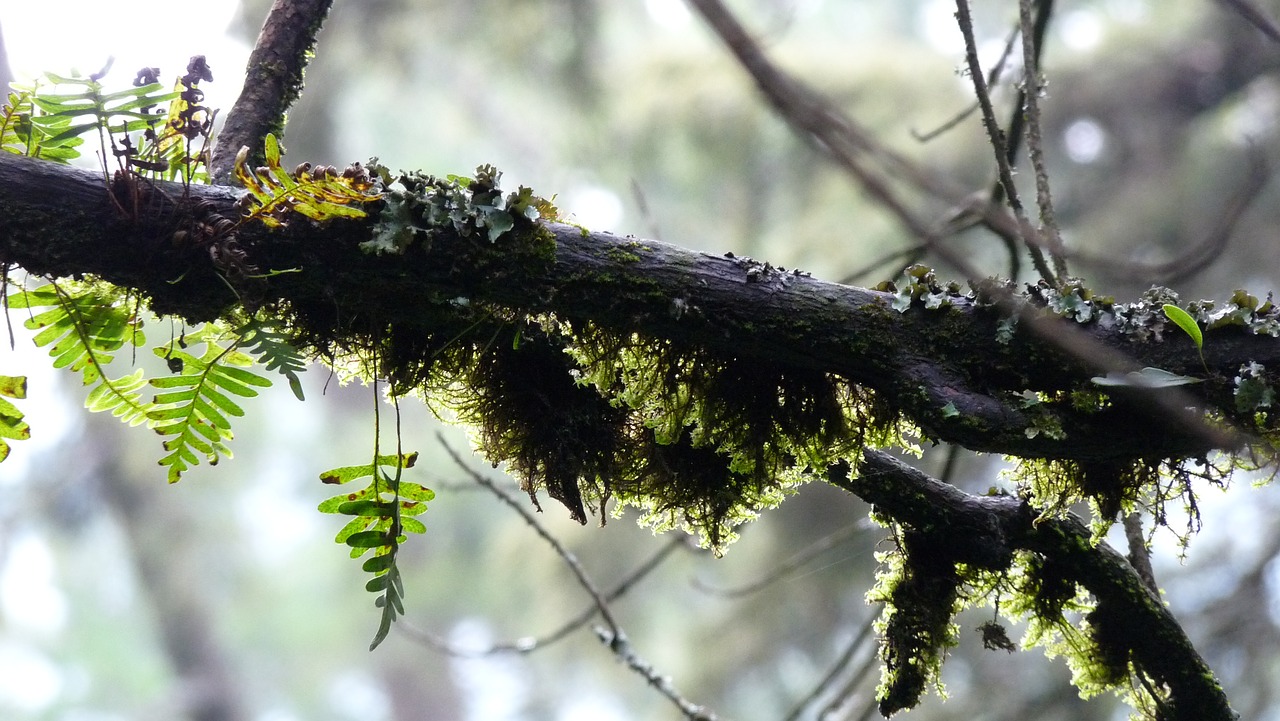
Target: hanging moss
<point>522,396</point>
<point>921,599</point>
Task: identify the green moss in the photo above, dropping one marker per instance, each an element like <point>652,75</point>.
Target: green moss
<point>919,587</point>
<point>626,253</point>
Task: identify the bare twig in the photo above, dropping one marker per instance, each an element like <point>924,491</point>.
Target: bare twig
<point>611,634</point>
<point>998,143</point>
<point>530,644</point>
<point>575,567</point>
<point>1208,250</point>
<point>646,213</point>
<point>621,647</point>
<point>1033,27</point>
<point>992,78</point>
<point>821,124</point>
<point>900,258</point>
<point>846,657</point>
<point>847,692</point>
<point>831,132</point>
<point>789,566</point>
<point>1017,116</point>
<point>273,80</point>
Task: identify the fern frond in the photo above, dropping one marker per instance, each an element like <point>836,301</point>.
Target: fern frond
<point>196,407</point>
<point>20,135</point>
<point>84,327</point>
<point>320,194</point>
<point>382,513</point>
<point>11,424</point>
<point>67,115</point>
<point>260,339</point>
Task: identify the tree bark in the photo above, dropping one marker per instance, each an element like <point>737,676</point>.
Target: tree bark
<point>943,369</point>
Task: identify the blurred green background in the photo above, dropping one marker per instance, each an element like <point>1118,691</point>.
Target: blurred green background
<point>224,597</point>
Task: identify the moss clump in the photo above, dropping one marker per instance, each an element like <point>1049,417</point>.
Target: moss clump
<point>920,590</point>
<point>522,396</point>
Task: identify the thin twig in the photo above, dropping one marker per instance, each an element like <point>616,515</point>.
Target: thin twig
<point>837,668</point>
<point>998,144</point>
<point>575,567</point>
<point>901,258</point>
<point>621,647</point>
<point>993,78</point>
<point>1033,23</point>
<point>789,566</point>
<point>530,644</point>
<point>818,121</point>
<point>1209,249</point>
<point>646,214</point>
<point>273,80</point>
<point>611,635</point>
<point>995,197</point>
<point>835,135</point>
<point>1018,118</point>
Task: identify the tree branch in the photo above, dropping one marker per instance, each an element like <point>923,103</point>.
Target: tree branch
<point>273,80</point>
<point>943,369</point>
<point>986,531</point>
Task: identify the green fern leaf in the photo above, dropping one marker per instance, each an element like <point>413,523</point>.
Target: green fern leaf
<point>272,349</point>
<point>83,328</point>
<point>124,111</point>
<point>12,426</point>
<point>22,135</point>
<point>382,513</point>
<point>194,412</point>
<point>320,194</point>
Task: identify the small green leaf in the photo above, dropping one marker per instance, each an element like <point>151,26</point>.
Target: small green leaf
<point>367,539</point>
<point>1183,320</point>
<point>379,563</point>
<point>367,508</point>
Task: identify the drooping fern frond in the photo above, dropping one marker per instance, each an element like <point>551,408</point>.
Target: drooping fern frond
<point>21,136</point>
<point>382,513</point>
<point>195,407</point>
<point>84,327</point>
<point>260,339</point>
<point>11,424</point>
<point>318,193</point>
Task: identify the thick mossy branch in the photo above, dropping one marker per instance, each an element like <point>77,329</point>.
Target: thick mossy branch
<point>1131,630</point>
<point>955,371</point>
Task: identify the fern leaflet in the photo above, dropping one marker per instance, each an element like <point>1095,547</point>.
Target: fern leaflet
<point>320,193</point>
<point>123,111</point>
<point>382,513</point>
<point>272,349</point>
<point>84,327</point>
<point>194,408</point>
<point>19,135</point>
<point>11,424</point>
